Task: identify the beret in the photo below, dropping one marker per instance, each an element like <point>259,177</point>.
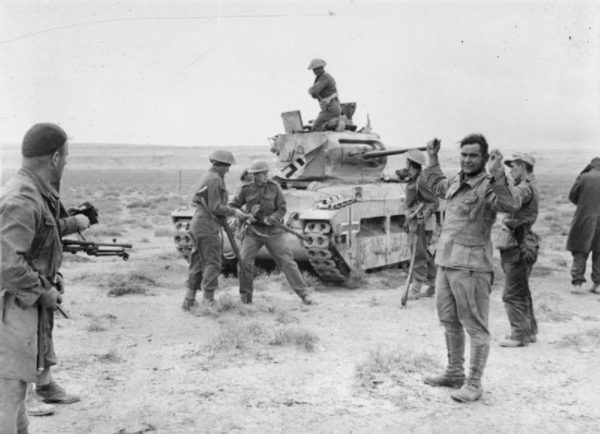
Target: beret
<point>43,139</point>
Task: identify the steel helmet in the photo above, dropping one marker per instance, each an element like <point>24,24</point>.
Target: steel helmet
<point>222,156</point>
<point>316,63</point>
<point>416,157</point>
<point>258,166</point>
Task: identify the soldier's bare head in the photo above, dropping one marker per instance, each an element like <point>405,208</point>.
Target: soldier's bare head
<point>473,154</point>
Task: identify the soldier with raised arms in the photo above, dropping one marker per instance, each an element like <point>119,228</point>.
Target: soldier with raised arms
<point>464,257</point>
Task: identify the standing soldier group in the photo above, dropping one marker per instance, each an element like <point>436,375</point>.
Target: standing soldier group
<point>265,208</point>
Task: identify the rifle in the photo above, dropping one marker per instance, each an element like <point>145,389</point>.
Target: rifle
<point>200,199</point>
<point>96,249</point>
<point>413,254</point>
<point>255,212</point>
<point>230,236</point>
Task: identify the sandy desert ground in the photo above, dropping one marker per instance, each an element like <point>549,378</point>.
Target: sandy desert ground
<point>351,364</point>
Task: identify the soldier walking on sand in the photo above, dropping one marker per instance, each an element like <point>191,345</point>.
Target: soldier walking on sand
<point>211,203</point>
<point>32,222</point>
<point>324,90</point>
<point>518,246</point>
<point>584,236</point>
<point>265,196</point>
<point>464,257</point>
<point>421,206</point>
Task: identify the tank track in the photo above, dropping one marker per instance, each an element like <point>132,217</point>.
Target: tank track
<point>322,254</point>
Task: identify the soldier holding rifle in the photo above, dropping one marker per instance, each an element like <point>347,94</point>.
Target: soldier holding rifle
<point>211,205</point>
<point>421,205</point>
<point>32,221</point>
<point>266,195</point>
<point>464,257</point>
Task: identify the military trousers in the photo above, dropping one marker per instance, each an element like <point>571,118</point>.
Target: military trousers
<point>579,265</point>
<point>463,302</point>
<point>517,295</point>
<point>281,254</point>
<point>328,112</point>
<point>424,270</point>
<point>13,413</point>
<point>205,262</point>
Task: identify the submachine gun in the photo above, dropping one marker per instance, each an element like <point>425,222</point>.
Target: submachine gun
<point>92,248</point>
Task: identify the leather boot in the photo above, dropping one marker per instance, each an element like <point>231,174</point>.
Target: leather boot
<point>307,299</point>
<point>472,389</point>
<point>208,297</point>
<point>415,291</point>
<point>455,374</point>
<point>188,304</point>
<point>52,393</point>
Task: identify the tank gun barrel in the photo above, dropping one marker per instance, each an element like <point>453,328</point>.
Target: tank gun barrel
<point>369,155</point>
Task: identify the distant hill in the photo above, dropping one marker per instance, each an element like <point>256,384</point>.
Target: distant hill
<point>122,156</point>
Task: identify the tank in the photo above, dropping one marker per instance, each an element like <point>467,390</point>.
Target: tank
<point>351,218</point>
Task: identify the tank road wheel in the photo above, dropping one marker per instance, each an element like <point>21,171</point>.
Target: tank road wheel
<point>322,254</point>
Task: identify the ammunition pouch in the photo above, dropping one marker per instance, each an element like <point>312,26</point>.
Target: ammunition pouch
<point>505,239</point>
<point>530,247</point>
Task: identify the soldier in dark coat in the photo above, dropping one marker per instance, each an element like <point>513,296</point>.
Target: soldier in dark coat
<point>31,226</point>
<point>584,236</point>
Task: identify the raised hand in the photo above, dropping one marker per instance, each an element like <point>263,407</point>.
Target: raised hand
<point>495,164</point>
<point>433,147</point>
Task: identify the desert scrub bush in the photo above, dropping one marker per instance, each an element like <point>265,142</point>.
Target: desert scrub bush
<point>110,357</point>
<point>95,326</point>
<point>381,366</point>
<point>545,312</point>
<point>74,257</point>
<point>133,283</point>
<point>102,230</point>
<point>589,338</point>
<point>284,317</point>
<point>99,323</point>
<point>235,338</point>
<point>299,337</point>
<point>163,232</point>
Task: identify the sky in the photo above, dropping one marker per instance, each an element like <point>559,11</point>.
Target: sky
<point>219,73</point>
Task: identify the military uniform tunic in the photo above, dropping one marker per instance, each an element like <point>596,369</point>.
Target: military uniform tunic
<point>417,193</point>
<point>517,295</point>
<point>269,197</point>
<point>206,259</point>
<point>31,226</point>
<point>325,91</point>
<point>464,253</point>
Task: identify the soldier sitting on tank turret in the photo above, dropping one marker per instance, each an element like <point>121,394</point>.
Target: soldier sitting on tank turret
<point>421,206</point>
<point>324,90</point>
